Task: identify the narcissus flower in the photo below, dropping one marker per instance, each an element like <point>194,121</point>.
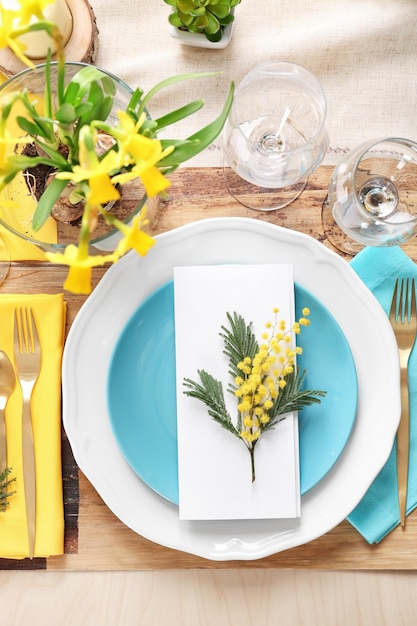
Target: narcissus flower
<point>16,20</point>
<point>80,266</point>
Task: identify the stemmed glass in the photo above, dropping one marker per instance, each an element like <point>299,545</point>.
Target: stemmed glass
<point>275,135</point>
<point>4,259</point>
<point>372,197</point>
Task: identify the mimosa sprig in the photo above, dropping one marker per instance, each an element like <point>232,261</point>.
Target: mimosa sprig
<point>266,382</point>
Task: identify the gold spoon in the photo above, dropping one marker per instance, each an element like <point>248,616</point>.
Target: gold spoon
<point>7,384</point>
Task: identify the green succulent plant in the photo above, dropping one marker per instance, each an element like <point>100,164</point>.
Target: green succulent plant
<point>208,17</point>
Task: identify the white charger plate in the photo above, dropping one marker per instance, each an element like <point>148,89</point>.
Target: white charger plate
<point>95,332</point>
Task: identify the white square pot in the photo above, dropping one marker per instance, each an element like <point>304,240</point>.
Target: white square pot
<point>199,40</point>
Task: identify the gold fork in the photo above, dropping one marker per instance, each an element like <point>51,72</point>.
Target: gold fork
<point>27,354</point>
<point>403,320</point>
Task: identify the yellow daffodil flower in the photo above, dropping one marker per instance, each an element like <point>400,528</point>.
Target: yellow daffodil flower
<point>81,263</point>
<point>80,266</point>
<point>8,34</point>
<point>153,180</point>
<point>32,8</point>
<point>134,238</point>
<point>15,21</point>
<point>93,170</point>
<point>102,190</point>
<point>142,152</point>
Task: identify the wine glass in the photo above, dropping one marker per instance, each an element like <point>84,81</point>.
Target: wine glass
<point>275,135</point>
<point>4,259</point>
<point>372,196</point>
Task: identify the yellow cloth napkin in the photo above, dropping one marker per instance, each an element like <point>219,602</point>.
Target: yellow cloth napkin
<point>49,313</point>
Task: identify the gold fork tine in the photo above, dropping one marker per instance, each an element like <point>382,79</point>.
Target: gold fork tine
<point>403,319</point>
<point>394,301</point>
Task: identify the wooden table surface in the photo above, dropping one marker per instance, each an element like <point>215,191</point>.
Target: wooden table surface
<point>195,194</point>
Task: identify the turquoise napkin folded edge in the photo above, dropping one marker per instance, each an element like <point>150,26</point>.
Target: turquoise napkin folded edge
<point>377,514</point>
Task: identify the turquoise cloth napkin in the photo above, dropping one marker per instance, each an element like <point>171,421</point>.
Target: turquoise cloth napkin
<point>377,513</point>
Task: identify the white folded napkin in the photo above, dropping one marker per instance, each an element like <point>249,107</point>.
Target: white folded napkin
<point>214,466</point>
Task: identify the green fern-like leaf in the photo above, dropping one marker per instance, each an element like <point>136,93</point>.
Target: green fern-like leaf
<point>210,391</point>
<point>239,342</point>
<point>5,483</point>
<point>293,398</point>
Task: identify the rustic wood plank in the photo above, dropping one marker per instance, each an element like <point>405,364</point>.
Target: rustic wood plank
<point>106,544</point>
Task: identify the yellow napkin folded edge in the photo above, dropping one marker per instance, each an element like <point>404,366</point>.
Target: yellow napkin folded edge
<point>50,314</point>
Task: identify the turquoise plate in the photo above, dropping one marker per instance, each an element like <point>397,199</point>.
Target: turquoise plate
<point>141,394</point>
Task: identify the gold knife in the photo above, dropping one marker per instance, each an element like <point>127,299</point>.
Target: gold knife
<point>7,384</point>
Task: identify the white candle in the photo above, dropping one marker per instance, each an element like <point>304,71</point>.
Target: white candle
<point>39,42</point>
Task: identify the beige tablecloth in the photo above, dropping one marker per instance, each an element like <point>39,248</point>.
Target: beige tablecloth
<point>363,52</point>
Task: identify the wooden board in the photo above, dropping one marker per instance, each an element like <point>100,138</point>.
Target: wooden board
<point>95,538</point>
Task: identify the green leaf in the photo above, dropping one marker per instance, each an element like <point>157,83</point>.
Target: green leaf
<point>179,114</point>
<point>198,11</point>
<point>134,102</point>
<point>175,20</point>
<point>185,6</point>
<point>217,36</point>
<point>66,114</point>
<point>84,79</point>
<point>71,93</point>
<point>56,159</point>
<point>210,391</point>
<point>6,106</point>
<point>239,342</point>
<point>83,109</point>
<point>171,81</point>
<point>9,177</point>
<point>200,140</point>
<point>99,111</point>
<point>5,492</point>
<point>42,25</point>
<point>47,202</point>
<point>32,128</point>
<point>293,398</point>
<point>202,22</point>
<point>228,19</point>
<point>213,24</point>
<point>220,10</point>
